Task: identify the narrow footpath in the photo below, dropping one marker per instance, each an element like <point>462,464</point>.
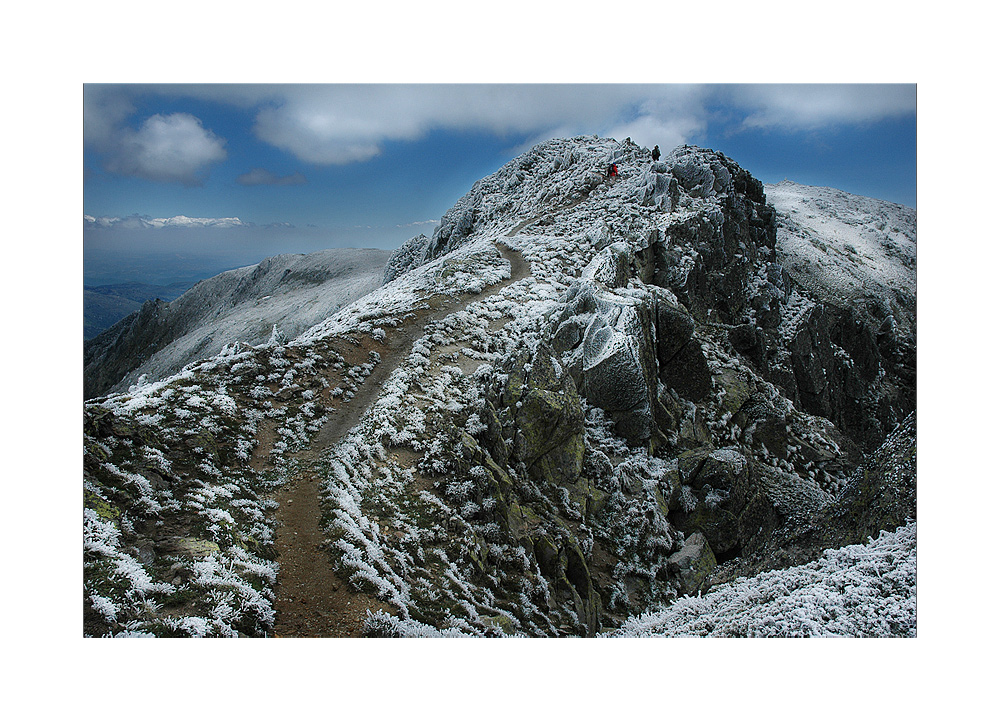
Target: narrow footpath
<point>312,602</point>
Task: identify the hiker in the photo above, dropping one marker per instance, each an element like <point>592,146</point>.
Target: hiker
<point>656,153</point>
<point>612,170</point>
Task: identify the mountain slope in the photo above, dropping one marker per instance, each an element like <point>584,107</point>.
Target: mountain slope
<point>628,423</point>
<point>291,292</point>
<point>105,305</point>
<point>846,247</point>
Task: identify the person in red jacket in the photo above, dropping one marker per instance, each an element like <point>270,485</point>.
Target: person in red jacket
<point>612,170</point>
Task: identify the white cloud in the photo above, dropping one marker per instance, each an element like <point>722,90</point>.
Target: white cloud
<point>138,222</point>
<point>816,106</point>
<point>170,148</point>
<point>349,123</point>
<point>167,148</point>
<point>416,223</point>
<point>650,130</point>
<point>340,124</point>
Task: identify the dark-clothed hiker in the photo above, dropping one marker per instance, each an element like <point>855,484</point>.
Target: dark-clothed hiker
<point>656,153</point>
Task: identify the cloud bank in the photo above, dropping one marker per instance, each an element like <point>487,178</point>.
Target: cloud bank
<point>138,222</point>
<point>807,107</point>
<point>342,124</point>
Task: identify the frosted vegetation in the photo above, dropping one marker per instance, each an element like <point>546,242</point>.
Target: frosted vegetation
<point>178,522</point>
<point>861,590</point>
<point>495,485</point>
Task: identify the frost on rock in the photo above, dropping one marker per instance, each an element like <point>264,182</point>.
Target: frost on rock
<point>610,267</point>
<point>699,178</point>
<point>408,256</point>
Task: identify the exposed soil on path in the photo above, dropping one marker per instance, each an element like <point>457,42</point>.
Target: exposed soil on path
<point>312,602</point>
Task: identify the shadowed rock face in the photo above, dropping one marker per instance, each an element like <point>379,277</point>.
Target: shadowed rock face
<point>105,305</point>
<point>547,417</point>
<point>124,346</point>
<point>635,351</point>
<point>881,495</point>
<point>242,305</point>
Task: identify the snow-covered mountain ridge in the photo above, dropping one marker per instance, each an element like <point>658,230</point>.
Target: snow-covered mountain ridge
<point>292,292</point>
<point>586,397</point>
<point>847,247</point>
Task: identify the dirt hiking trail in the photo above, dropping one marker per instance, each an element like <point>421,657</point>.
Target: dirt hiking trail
<point>312,602</point>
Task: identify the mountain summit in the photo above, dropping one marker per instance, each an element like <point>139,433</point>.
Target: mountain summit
<point>580,403</point>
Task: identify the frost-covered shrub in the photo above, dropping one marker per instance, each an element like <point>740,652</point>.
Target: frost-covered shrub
<point>141,580</point>
<point>862,590</point>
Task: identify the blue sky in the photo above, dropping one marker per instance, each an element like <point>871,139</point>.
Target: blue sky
<point>305,167</point>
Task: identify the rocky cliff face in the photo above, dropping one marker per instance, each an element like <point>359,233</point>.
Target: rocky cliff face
<point>657,406</point>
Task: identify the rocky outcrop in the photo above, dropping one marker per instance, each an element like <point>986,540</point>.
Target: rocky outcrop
<point>706,256</point>
<point>622,345</point>
<point>840,374</point>
<point>409,255</point>
<point>545,418</point>
<point>692,564</point>
<point>538,433</point>
<point>699,347</point>
<point>880,496</point>
<point>737,502</point>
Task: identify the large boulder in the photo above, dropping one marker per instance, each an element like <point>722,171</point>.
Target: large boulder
<point>610,267</point>
<point>606,340</point>
<point>620,346</point>
<point>692,564</point>
<point>547,417</point>
<point>736,502</point>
